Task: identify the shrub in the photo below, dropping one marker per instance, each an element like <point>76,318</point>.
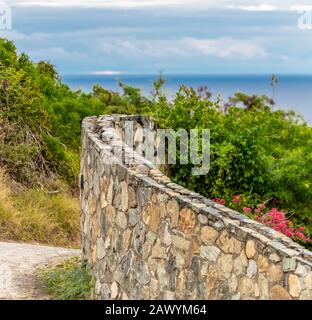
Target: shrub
<point>262,154</point>
<point>40,117</point>
<point>69,280</point>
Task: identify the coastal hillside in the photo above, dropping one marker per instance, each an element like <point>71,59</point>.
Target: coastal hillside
<point>40,134</point>
<point>261,158</point>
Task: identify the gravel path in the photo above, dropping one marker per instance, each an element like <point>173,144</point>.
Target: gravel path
<point>18,265</point>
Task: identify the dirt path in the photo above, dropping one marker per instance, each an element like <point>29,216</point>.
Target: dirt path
<point>18,265</point>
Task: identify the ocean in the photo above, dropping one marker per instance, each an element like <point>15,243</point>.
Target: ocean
<point>291,92</point>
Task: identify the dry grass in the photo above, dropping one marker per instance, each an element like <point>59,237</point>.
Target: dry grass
<point>35,216</point>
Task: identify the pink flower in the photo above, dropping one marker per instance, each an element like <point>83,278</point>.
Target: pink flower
<point>247,210</point>
<point>300,235</point>
<point>289,232</point>
<point>283,224</point>
<point>261,206</point>
<point>257,210</point>
<point>277,228</point>
<point>219,201</point>
<point>300,229</point>
<point>276,219</point>
<point>276,215</point>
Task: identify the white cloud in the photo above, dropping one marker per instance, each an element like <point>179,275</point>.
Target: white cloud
<point>99,3</point>
<point>224,48</point>
<point>53,53</point>
<point>57,46</point>
<point>106,73</point>
<point>252,5</point>
<point>300,8</point>
<point>259,7</point>
<point>266,7</point>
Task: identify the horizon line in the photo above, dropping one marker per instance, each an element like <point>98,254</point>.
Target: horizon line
<point>120,74</point>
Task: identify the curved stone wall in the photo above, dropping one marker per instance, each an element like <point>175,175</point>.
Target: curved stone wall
<point>148,238</point>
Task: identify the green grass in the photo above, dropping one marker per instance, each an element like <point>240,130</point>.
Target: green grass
<point>69,280</point>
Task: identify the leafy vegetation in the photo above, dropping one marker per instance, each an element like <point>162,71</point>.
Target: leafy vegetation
<point>262,154</point>
<point>69,280</point>
<point>40,118</point>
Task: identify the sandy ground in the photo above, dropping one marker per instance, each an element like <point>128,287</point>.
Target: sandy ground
<point>18,265</point>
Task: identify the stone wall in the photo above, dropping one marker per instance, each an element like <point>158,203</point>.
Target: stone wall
<point>148,238</point>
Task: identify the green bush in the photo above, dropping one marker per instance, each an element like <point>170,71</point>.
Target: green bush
<point>263,154</point>
<point>40,117</point>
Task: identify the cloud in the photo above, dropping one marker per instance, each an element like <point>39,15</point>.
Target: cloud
<point>98,3</point>
<point>300,8</point>
<point>72,45</point>
<point>259,7</point>
<point>52,53</point>
<point>223,48</point>
<point>106,73</point>
<point>253,5</point>
<point>266,7</point>
<point>226,48</point>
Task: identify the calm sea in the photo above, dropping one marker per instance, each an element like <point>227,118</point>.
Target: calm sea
<point>292,91</point>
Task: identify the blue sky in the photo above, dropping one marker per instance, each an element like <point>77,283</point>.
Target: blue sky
<point>175,36</point>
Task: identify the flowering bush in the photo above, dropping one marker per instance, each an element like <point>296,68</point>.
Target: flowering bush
<point>258,154</point>
<point>219,201</point>
<point>247,210</point>
<point>271,217</point>
<point>276,219</point>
